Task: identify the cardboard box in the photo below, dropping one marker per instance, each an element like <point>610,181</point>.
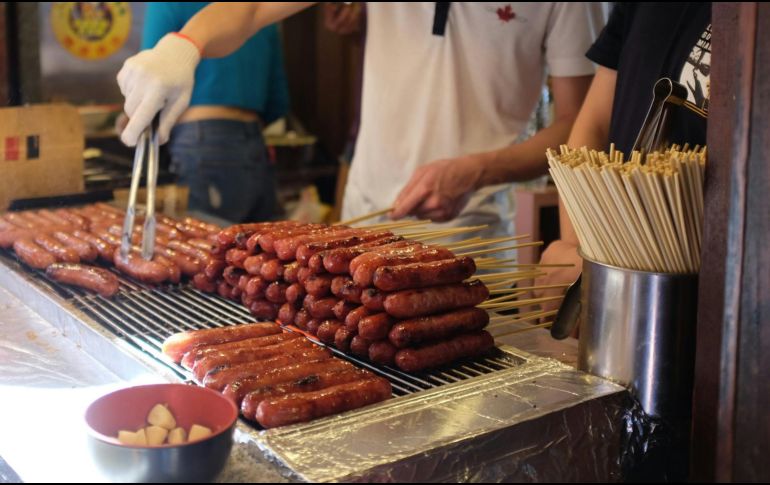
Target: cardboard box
<point>41,152</point>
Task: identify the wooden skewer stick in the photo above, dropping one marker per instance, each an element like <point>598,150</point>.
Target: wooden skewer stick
<point>497,250</point>
<point>426,236</point>
<point>524,318</point>
<point>485,242</point>
<point>364,217</point>
<point>527,329</point>
<point>398,225</point>
<point>519,303</point>
<point>508,283</point>
<point>497,276</point>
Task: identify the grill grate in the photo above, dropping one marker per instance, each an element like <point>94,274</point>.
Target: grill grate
<point>145,316</point>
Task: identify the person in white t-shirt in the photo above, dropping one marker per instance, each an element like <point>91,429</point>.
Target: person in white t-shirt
<point>448,87</point>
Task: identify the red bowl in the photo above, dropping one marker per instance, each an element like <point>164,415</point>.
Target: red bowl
<point>127,409</point>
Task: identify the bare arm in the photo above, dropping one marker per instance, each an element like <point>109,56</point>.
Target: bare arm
<point>591,129</point>
<point>526,160</point>
<point>222,27</point>
<point>440,189</point>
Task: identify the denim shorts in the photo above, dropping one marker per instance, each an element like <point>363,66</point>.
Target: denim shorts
<point>226,166</point>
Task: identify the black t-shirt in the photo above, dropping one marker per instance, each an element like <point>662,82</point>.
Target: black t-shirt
<point>644,42</point>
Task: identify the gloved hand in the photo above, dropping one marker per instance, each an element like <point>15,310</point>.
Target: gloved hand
<point>158,79</point>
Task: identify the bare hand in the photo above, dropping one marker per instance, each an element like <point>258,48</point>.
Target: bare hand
<point>439,191</point>
<point>558,252</point>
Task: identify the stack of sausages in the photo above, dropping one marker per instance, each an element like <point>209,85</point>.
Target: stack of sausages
<point>368,292</point>
<point>64,241</point>
<point>276,378</point>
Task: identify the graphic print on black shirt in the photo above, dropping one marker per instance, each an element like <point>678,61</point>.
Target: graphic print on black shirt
<point>697,70</point>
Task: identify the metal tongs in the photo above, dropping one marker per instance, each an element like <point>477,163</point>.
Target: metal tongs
<point>148,147</point>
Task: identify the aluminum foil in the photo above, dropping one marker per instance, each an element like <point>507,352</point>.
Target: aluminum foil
<point>537,421</point>
<point>541,421</point>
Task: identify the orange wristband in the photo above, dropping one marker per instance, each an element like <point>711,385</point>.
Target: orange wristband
<point>191,40</point>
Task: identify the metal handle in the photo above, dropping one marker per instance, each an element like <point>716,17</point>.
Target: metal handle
<point>567,317</point>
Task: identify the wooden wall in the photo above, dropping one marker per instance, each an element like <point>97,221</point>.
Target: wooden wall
<point>731,421</point>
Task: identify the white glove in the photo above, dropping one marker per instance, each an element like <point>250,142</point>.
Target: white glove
<point>158,79</point>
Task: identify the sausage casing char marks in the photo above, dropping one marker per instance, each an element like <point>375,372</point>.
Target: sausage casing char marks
<point>200,351</point>
<point>312,382</point>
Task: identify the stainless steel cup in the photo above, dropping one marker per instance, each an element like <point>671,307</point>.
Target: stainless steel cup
<point>638,329</point>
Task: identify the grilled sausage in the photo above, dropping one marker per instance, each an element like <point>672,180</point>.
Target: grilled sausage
<point>409,333</point>
<point>268,239</point>
<point>306,406</point>
<point>250,363</point>
<point>355,316</point>
<point>318,285</point>
<point>286,248</point>
<point>62,253</point>
<point>271,270</point>
<point>342,309</point>
<point>214,269</point>
<point>295,292</point>
<point>440,353</point>
<point>312,326</point>
<point>437,299</point>
<point>91,278</point>
<point>301,319</point>
<point>151,272</point>
<point>194,252</point>
<point>256,287</point>
<point>337,261</point>
<point>312,382</point>
<point>322,308</point>
<point>240,387</point>
<point>342,339</point>
<point>8,237</point>
<point>287,313</point>
<point>420,275</point>
<point>360,346</point>
<point>375,327</point>
<point>106,250</point>
<point>363,275</point>
<point>374,299</point>
<point>290,272</point>
<point>174,272</point>
<point>327,330</point>
<point>180,343</point>
<point>264,309</point>
<point>276,292</point>
<point>236,257</point>
<point>232,275</point>
<point>187,265</point>
<point>310,248</point>
<point>253,264</point>
<point>33,254</point>
<point>383,352</point>
<point>376,256</point>
<point>202,283</point>
<point>200,351</point>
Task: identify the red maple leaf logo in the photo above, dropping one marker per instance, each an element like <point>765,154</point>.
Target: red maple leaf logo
<point>506,14</point>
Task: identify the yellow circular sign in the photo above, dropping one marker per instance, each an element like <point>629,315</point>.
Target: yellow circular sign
<point>91,30</point>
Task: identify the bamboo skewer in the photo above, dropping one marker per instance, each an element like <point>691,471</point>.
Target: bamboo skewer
<point>484,242</point>
<point>526,317</point>
<point>527,329</point>
<point>643,213</point>
<point>496,250</point>
<point>364,217</point>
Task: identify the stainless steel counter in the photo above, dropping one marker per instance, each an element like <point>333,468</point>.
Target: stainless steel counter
<point>523,423</point>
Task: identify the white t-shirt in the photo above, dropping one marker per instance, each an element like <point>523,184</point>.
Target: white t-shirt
<point>427,97</point>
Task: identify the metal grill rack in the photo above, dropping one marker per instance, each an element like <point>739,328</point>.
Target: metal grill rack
<point>145,316</point>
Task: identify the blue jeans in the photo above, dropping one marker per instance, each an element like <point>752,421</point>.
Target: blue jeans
<point>226,166</point>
